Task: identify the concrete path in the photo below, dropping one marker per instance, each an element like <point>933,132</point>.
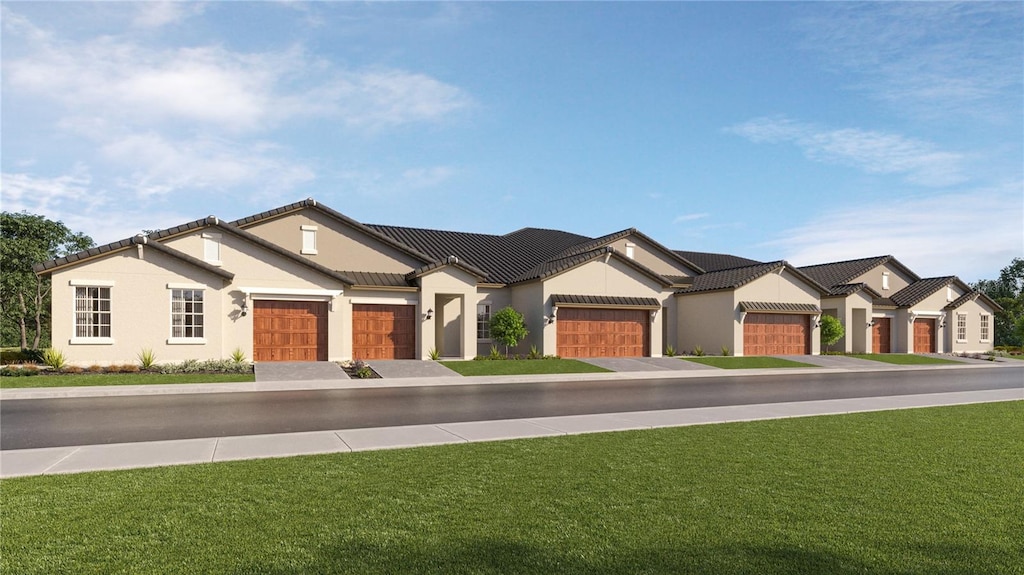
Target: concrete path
<point>640,364</point>
<point>298,371</point>
<point>53,460</point>
<point>406,368</point>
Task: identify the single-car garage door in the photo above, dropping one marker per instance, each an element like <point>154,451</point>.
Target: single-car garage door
<point>383,331</point>
<point>924,336</point>
<point>881,335</point>
<point>289,330</point>
<point>586,332</point>
<point>776,334</point>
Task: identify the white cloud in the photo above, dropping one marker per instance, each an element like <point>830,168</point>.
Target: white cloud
<point>25,192</point>
<point>688,218</point>
<point>158,13</point>
<point>969,233</point>
<point>918,161</point>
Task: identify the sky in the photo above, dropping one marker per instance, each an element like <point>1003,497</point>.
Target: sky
<point>811,132</point>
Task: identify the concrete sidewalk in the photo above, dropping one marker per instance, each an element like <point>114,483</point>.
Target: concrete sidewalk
<point>54,460</point>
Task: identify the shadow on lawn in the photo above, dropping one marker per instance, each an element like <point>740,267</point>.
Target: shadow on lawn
<point>509,557</point>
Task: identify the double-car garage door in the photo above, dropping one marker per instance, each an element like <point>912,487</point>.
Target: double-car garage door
<point>776,334</point>
<point>598,332</point>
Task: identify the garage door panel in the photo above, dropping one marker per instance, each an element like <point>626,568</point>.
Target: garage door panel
<point>383,331</point>
<point>588,332</point>
<point>289,331</point>
<point>924,336</point>
<point>776,334</point>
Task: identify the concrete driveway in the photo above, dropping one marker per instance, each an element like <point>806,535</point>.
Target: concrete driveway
<point>401,368</point>
<point>633,364</point>
<point>298,371</point>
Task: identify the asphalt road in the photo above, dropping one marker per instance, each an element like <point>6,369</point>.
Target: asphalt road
<point>28,424</point>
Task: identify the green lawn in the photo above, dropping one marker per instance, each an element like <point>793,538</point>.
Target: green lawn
<point>87,379</point>
<point>732,362</point>
<point>908,491</point>
<point>521,366</point>
<point>904,359</point>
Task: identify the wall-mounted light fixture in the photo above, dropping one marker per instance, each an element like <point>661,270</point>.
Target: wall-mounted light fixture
<point>245,308</point>
<point>871,323</point>
<point>548,320</point>
<point>430,313</point>
<point>654,314</point>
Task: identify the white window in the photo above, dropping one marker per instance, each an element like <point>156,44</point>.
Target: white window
<point>961,327</point>
<point>984,327</point>
<point>483,321</point>
<point>630,250</point>
<point>186,314</point>
<point>885,280</point>
<point>92,312</point>
<point>211,249</point>
<point>309,240</point>
<point>949,294</point>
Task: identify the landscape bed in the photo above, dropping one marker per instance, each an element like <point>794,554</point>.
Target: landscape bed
<point>90,379</point>
<point>908,491</point>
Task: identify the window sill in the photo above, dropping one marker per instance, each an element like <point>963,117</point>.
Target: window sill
<point>217,263</point>
<point>961,341</point>
<point>186,341</point>
<point>308,252</point>
<point>91,341</point>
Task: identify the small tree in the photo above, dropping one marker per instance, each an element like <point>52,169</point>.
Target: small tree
<point>508,327</point>
<point>832,330</point>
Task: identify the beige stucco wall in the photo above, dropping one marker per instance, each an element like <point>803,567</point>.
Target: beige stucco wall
<point>646,254</point>
<point>784,288</point>
<point>607,278</point>
<point>339,247</point>
<point>897,279</point>
<point>973,310</point>
<point>528,299</point>
<point>708,320</point>
<point>452,294</point>
<point>932,307</point>
<point>854,311</point>
<point>497,298</point>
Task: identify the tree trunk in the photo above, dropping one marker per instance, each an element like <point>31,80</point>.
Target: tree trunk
<point>21,320</point>
<point>39,313</point>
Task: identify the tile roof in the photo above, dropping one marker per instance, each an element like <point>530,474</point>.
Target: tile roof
<point>736,277</point>
<point>972,295</point>
<point>562,264</point>
<point>884,302</point>
<point>847,289</point>
<point>604,240</point>
<point>377,279</point>
<point>215,270</point>
<point>713,262</point>
<point>918,291</point>
<point>452,261</point>
<point>840,273</point>
<point>779,307</point>
<point>604,300</point>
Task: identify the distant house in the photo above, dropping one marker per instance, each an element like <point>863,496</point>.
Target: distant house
<point>304,282</point>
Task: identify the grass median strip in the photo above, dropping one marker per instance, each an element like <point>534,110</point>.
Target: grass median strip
<point>904,359</point>
<point>732,362</point>
<point>521,367</point>
<point>83,380</point>
<point>907,491</point>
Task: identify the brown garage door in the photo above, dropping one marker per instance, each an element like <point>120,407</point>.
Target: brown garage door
<point>776,334</point>
<point>383,331</point>
<point>881,335</point>
<point>584,332</point>
<point>924,336</point>
<point>289,330</point>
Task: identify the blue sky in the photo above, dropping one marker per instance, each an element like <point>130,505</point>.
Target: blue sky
<point>811,132</point>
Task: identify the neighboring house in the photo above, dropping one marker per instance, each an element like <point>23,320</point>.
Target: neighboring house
<point>303,282</point>
<point>887,308</point>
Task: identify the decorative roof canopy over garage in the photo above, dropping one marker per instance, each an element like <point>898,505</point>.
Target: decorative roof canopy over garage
<point>561,300</point>
<point>779,307</point>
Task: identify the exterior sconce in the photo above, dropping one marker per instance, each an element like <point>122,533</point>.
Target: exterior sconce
<point>430,313</point>
<point>654,314</point>
<point>871,323</point>
<point>245,308</point>
<point>817,321</point>
<point>549,320</point>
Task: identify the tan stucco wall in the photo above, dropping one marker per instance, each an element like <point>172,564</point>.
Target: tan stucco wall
<point>528,299</point>
<point>339,247</point>
<point>611,278</point>
<point>932,307</point>
<point>973,344</point>
<point>646,254</point>
<point>498,298</point>
<point>709,320</point>
<point>897,279</point>
<point>437,289</point>
<point>783,288</point>
<point>854,311</point>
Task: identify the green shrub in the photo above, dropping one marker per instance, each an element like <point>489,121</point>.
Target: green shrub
<point>54,358</point>
<point>146,358</point>
<point>698,351</point>
<point>670,350</point>
<point>725,351</point>
<point>364,372</point>
<point>26,370</point>
<point>434,354</point>
<point>534,353</point>
<point>495,354</point>
<point>238,356</point>
<point>508,327</point>
<point>832,330</point>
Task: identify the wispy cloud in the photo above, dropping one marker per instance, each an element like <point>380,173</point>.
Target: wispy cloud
<point>158,13</point>
<point>874,152</point>
<point>688,218</point>
<point>958,233</point>
<point>927,58</point>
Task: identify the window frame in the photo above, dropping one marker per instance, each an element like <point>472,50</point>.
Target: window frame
<point>99,339</point>
<point>885,280</point>
<point>630,250</point>
<point>483,326</point>
<point>186,339</point>
<point>211,240</point>
<point>985,328</point>
<point>961,328</point>
<point>308,233</point>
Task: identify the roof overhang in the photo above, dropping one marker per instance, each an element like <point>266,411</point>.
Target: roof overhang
<point>605,301</point>
<point>779,307</point>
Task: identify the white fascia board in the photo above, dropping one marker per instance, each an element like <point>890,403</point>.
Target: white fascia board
<point>270,292</point>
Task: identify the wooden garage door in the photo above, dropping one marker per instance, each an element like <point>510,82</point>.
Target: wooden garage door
<point>383,331</point>
<point>924,336</point>
<point>584,332</point>
<point>776,334</point>
<point>881,335</point>
<point>289,330</point>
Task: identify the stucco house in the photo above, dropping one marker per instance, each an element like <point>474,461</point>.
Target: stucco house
<point>304,282</point>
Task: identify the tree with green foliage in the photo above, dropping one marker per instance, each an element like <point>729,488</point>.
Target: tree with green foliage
<point>1008,292</point>
<point>508,327</point>
<point>832,330</point>
<point>25,240</point>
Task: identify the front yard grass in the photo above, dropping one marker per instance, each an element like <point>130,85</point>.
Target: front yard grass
<point>521,366</point>
<point>82,380</point>
<point>753,362</point>
<point>904,359</point>
<point>906,491</point>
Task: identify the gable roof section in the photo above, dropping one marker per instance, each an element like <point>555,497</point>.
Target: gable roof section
<point>779,307</point>
<point>561,265</point>
<point>604,301</point>
<point>377,279</point>
<point>713,262</point>
<point>603,241</point>
<point>842,273</point>
<point>973,295</point>
<point>920,290</point>
<point>737,277</point>
<point>217,271</point>
<point>848,289</point>
<point>451,262</point>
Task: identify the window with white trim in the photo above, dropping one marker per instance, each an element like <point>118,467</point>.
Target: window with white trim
<point>985,327</point>
<point>885,280</point>
<point>309,240</point>
<point>211,248</point>
<point>187,314</point>
<point>630,250</point>
<point>92,312</point>
<point>961,327</point>
<point>483,321</point>
<point>949,294</point>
